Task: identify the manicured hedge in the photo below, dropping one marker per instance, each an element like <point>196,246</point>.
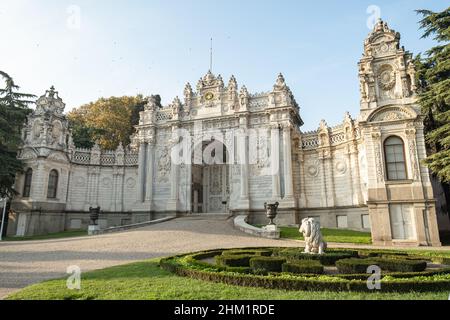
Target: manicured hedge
<point>316,283</point>
<point>242,260</point>
<point>267,264</point>
<point>256,252</point>
<point>401,265</point>
<point>206,254</point>
<point>440,260</point>
<point>378,253</point>
<point>329,258</point>
<point>356,266</point>
<point>192,261</point>
<point>303,266</point>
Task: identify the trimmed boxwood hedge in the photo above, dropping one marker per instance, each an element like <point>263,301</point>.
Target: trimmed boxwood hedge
<point>378,253</point>
<point>401,265</point>
<point>242,260</point>
<point>329,258</point>
<point>354,265</point>
<point>303,266</point>
<point>317,283</point>
<point>256,252</point>
<point>267,264</point>
<point>395,265</point>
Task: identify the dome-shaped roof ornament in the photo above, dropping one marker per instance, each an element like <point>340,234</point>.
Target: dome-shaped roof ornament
<point>280,84</point>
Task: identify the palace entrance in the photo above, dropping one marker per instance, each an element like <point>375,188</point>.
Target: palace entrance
<point>210,178</point>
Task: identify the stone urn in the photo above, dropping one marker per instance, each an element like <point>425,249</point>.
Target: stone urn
<point>271,211</point>
<point>94,215</point>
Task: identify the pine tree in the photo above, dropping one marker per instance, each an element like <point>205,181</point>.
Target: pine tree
<point>13,112</point>
<point>434,91</point>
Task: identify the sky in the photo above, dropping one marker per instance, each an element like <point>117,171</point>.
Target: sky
<point>100,48</point>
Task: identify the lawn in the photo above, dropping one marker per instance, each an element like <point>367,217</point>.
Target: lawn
<point>331,235</point>
<point>146,281</point>
<point>65,234</point>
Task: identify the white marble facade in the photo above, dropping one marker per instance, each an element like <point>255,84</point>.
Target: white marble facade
<point>220,149</point>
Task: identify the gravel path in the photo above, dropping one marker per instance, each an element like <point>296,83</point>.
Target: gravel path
<point>29,262</point>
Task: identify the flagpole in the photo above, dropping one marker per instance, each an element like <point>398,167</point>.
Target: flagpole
<point>211,56</point>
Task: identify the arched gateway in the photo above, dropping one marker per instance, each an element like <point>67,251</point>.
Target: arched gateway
<point>221,149</point>
<point>210,188</point>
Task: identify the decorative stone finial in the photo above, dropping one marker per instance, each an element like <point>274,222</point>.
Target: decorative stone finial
<point>347,117</point>
<point>152,103</point>
<point>176,105</point>
<point>232,84</point>
<point>280,84</point>
<point>188,90</point>
<point>323,125</point>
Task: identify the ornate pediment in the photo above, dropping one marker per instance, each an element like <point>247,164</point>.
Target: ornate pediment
<point>392,114</point>
<point>381,41</point>
<point>58,157</point>
<point>210,81</point>
<point>27,154</point>
<point>50,102</point>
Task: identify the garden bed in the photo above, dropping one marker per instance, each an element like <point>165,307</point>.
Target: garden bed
<point>290,269</point>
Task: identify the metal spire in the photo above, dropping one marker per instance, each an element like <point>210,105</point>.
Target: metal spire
<point>211,56</point>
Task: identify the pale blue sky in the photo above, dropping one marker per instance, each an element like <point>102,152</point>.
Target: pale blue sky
<point>129,47</point>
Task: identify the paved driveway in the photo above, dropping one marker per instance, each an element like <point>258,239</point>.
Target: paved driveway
<point>29,262</point>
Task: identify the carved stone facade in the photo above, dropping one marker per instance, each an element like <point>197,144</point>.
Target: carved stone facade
<point>225,150</point>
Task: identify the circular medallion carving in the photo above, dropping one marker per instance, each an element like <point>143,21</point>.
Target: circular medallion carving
<point>313,170</point>
<point>341,167</point>
<point>384,48</point>
<point>106,182</point>
<point>386,78</point>
<point>80,181</point>
<point>131,183</point>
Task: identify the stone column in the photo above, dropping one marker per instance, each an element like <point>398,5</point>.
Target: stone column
<point>275,161</point>
<point>118,189</point>
<point>149,174</point>
<point>141,172</point>
<point>355,175</point>
<point>288,200</point>
<point>302,199</point>
<point>244,201</point>
<point>172,204</point>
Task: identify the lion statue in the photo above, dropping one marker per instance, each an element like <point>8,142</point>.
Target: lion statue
<point>313,236</point>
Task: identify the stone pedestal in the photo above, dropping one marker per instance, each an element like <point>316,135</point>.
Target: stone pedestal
<point>271,228</point>
<point>93,230</point>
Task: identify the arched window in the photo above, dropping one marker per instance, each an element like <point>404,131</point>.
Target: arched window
<point>52,184</point>
<point>394,153</point>
<point>27,183</point>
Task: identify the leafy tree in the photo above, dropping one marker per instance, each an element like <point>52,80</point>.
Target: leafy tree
<point>107,121</point>
<point>13,112</point>
<point>434,91</point>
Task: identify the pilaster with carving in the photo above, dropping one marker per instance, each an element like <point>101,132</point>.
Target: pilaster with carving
<point>378,157</point>
<point>412,151</point>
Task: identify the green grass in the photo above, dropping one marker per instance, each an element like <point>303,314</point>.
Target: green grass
<point>331,235</point>
<point>59,235</point>
<point>146,281</point>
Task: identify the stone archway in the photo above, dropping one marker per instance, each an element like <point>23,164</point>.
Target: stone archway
<point>210,192</point>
